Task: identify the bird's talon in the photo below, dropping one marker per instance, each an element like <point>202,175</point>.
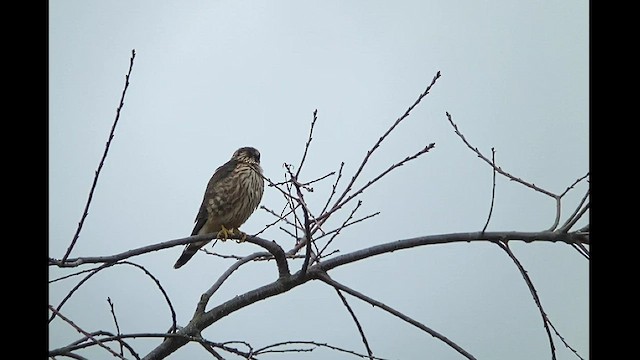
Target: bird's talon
<point>224,233</point>
<point>243,237</point>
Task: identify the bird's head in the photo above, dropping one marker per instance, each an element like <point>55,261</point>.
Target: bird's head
<point>247,154</point>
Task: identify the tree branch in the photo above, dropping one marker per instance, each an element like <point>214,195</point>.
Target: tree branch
<point>355,320</point>
<point>83,332</point>
<point>493,189</point>
<point>534,293</point>
<point>271,246</point>
<point>104,156</point>
<point>338,203</point>
<point>496,236</point>
<point>324,277</point>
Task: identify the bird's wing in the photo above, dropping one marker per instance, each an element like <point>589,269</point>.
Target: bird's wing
<point>221,172</point>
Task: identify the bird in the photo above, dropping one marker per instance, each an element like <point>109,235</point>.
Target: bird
<point>232,195</point>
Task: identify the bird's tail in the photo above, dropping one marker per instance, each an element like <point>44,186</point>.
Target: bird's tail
<point>187,253</point>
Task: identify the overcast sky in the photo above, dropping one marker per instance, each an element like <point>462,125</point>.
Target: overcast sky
<point>212,76</point>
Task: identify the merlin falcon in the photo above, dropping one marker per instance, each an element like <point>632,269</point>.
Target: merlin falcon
<point>232,195</point>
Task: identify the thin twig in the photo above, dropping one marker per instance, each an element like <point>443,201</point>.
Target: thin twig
<point>204,298</point>
<point>493,189</point>
<point>70,275</point>
<point>574,184</point>
<point>575,218</point>
<point>83,332</point>
<point>307,220</point>
<point>266,349</point>
<point>581,250</point>
<point>497,168</point>
<point>337,231</point>
<point>564,341</point>
<point>198,339</point>
<point>570,221</point>
<point>355,320</point>
<point>104,156</point>
<point>115,320</point>
<point>164,293</point>
<point>109,264</point>
<point>306,147</point>
<point>76,287</point>
<point>66,350</point>
<point>325,278</point>
<point>222,256</point>
<point>534,293</point>
<point>306,185</point>
<point>371,182</point>
<point>333,188</point>
<point>338,203</point>
<point>280,217</point>
<point>289,233</point>
<point>347,225</point>
<point>533,186</point>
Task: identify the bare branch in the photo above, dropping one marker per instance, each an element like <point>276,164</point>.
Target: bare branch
<point>371,182</point>
<point>337,231</point>
<point>164,293</point>
<point>95,271</point>
<point>564,341</point>
<point>286,283</point>
<point>574,184</point>
<point>85,333</point>
<point>493,188</point>
<point>104,156</point>
<point>577,214</point>
<point>581,250</point>
<point>115,320</point>
<point>325,278</point>
<point>497,168</point>
<point>71,275</point>
<point>306,185</point>
<point>355,320</point>
<point>270,246</point>
<point>222,256</point>
<point>66,351</point>
<point>504,236</point>
<point>266,349</point>
<point>204,299</point>
<point>333,188</point>
<point>280,217</point>
<point>338,203</point>
<point>534,293</point>
<point>290,233</point>
<point>575,219</point>
<point>347,225</point>
<point>306,147</point>
<point>76,287</point>
<point>556,197</point>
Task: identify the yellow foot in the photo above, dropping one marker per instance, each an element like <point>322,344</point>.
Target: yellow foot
<point>224,233</point>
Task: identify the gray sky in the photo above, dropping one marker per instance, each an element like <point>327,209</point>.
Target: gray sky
<point>211,76</point>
